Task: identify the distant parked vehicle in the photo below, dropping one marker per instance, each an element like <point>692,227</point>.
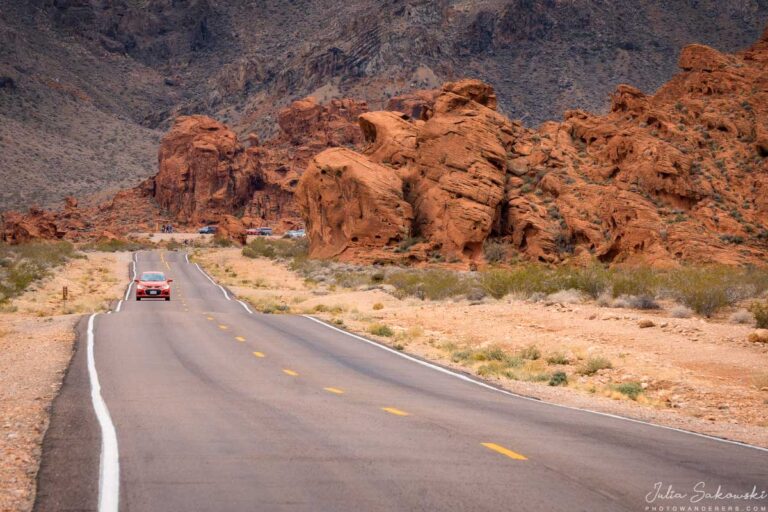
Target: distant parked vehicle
<point>296,233</point>
<point>207,230</point>
<point>259,231</point>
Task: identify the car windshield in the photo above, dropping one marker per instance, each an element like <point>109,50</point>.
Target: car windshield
<point>153,276</point>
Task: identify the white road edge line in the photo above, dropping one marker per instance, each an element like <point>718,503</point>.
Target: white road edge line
<point>226,295</point>
<point>109,463</point>
<point>186,257</point>
<point>509,393</point>
<point>130,284</point>
<point>245,306</point>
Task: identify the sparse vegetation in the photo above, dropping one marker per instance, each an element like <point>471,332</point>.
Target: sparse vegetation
<point>558,379</point>
<point>630,389</point>
<point>594,364</point>
<point>558,358</point>
<point>22,265</point>
<point>741,316</point>
<point>680,311</point>
<point>494,251</point>
<point>381,330</point>
<point>276,249</point>
<point>115,245</point>
<point>428,284</point>
<point>531,352</point>
<point>759,311</point>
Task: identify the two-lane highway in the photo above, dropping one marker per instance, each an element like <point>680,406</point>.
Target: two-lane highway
<point>217,408</point>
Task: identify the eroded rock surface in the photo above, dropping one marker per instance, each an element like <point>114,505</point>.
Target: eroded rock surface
<point>352,206</point>
<point>676,176</point>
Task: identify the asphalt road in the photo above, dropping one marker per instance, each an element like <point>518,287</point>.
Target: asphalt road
<point>219,409</point>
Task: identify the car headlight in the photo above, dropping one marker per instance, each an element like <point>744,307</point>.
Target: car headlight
<point>166,287</point>
<point>140,287</point>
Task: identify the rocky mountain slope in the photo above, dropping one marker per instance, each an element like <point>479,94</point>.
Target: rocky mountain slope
<point>88,86</point>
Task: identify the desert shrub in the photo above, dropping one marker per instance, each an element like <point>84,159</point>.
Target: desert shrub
<point>566,297</point>
<point>21,265</point>
<point>494,251</point>
<point>221,241</point>
<point>496,368</point>
<point>114,245</point>
<point>741,316</point>
<point>630,389</point>
<point>429,284</point>
<point>531,352</point>
<point>558,358</point>
<point>681,311</point>
<point>270,305</point>
<point>523,279</point>
<point>321,308</point>
<point>591,280</point>
<point>701,289</point>
<point>378,306</point>
<point>760,311</point>
<point>642,302</point>
<point>461,356</point>
<point>475,294</point>
<point>350,279</point>
<point>380,330</point>
<point>594,364</point>
<point>637,282</point>
<point>276,249</point>
<point>558,379</point>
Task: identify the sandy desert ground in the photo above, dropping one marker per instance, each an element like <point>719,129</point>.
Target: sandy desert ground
<point>36,342</point>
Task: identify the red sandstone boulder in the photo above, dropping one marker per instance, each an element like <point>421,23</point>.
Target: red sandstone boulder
<point>352,206</point>
<point>204,171</point>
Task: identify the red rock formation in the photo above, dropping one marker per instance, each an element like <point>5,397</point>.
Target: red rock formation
<point>456,182</point>
<point>680,175</point>
<point>416,105</point>
<point>352,206</point>
<point>204,172</point>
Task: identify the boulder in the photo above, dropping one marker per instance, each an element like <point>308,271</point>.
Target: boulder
<point>351,205</point>
<point>203,171</point>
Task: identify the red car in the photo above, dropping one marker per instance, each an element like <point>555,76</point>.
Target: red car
<point>153,285</point>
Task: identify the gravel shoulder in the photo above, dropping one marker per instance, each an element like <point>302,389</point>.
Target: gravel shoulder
<point>694,374</point>
<point>36,343</point>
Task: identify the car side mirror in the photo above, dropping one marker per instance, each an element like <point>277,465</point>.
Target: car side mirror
<point>170,280</point>
<point>135,280</point>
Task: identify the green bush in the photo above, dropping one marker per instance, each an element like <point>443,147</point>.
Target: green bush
<point>595,364</point>
<point>704,290</point>
<point>381,330</point>
<point>630,389</point>
<point>760,311</point>
<point>558,379</point>
<point>640,282</point>
<point>429,284</point>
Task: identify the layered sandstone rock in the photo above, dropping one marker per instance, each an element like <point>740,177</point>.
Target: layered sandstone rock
<point>204,171</point>
<point>352,206</point>
<point>677,176</point>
